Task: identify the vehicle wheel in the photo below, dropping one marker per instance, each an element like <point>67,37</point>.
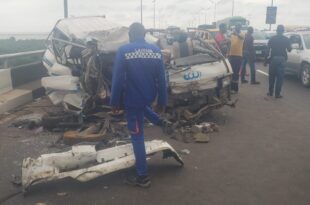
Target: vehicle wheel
<point>305,75</point>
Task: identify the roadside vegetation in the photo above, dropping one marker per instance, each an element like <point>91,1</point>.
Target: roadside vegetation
<point>12,45</point>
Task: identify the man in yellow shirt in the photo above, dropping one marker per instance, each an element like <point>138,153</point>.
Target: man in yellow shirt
<point>235,56</point>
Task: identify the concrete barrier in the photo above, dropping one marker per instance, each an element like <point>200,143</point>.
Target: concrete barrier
<point>20,85</point>
<point>5,81</point>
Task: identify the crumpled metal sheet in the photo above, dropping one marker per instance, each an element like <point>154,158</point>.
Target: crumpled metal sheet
<point>109,34</point>
<point>85,163</point>
<point>80,27</point>
<point>198,78</point>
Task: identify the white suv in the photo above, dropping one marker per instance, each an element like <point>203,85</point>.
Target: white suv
<point>298,62</point>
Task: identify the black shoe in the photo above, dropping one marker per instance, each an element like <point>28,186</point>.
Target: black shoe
<point>255,83</point>
<point>269,94</point>
<point>279,96</point>
<point>140,181</point>
<point>244,81</point>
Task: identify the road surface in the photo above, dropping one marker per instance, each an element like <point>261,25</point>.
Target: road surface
<point>260,156</point>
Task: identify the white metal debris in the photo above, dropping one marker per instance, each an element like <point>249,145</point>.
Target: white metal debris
<point>85,163</point>
<point>64,82</point>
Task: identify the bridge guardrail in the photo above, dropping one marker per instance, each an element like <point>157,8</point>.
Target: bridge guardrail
<point>6,57</point>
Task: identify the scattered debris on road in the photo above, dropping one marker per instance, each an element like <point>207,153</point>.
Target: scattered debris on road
<point>202,137</point>
<point>29,121</point>
<point>185,152</point>
<point>61,121</point>
<point>16,180</point>
<point>62,194</point>
<point>194,133</point>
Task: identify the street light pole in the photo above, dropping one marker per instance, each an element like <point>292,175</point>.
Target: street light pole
<point>141,16</point>
<point>66,8</point>
<point>206,13</point>
<point>214,12</point>
<point>213,2</point>
<point>159,18</point>
<point>233,8</point>
<point>154,1</point>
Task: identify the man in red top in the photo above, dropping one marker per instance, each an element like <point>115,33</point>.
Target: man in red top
<point>249,57</point>
<point>221,41</point>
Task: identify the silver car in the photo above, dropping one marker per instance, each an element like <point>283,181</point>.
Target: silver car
<point>299,58</point>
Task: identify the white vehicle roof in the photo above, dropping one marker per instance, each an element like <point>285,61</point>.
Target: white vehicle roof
<point>298,32</point>
<point>80,27</point>
<point>110,35</point>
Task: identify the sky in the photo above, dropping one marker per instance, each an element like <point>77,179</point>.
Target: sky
<point>39,16</point>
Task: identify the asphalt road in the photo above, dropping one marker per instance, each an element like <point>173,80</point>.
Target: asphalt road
<point>260,156</point>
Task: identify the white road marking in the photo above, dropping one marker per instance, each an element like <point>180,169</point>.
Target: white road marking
<point>262,72</point>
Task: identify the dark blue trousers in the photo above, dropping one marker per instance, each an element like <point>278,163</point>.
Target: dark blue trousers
<point>135,123</point>
<point>235,62</point>
<point>276,74</point>
<point>247,59</point>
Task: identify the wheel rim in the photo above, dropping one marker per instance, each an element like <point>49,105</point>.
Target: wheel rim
<point>306,76</point>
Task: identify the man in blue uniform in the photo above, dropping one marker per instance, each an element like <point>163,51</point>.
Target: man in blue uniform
<point>278,46</point>
<point>139,79</point>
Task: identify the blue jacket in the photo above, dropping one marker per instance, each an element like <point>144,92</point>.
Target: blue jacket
<point>138,76</point>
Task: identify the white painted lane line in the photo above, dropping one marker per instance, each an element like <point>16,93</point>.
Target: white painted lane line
<point>262,72</point>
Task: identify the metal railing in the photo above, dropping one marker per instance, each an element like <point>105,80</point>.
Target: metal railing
<point>6,57</point>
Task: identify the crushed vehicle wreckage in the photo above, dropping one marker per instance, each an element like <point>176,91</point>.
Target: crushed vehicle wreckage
<point>79,60</point>
<point>87,162</point>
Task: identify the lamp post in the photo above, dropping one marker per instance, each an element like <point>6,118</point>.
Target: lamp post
<point>205,14</point>
<point>159,13</point>
<point>141,15</point>
<point>215,7</point>
<point>66,8</point>
<point>213,2</point>
<point>233,8</point>
<point>154,23</point>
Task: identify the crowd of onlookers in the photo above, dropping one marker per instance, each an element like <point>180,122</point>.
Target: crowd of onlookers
<point>239,48</point>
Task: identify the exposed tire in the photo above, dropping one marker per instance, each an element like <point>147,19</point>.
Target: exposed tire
<point>305,75</point>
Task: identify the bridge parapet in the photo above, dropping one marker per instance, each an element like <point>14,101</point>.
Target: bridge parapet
<point>20,84</point>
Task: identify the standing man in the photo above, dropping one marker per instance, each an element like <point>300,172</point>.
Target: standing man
<point>235,56</point>
<point>138,79</point>
<point>278,46</point>
<point>221,41</point>
<point>249,57</point>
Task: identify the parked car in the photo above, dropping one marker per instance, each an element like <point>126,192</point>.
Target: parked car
<point>270,34</point>
<point>260,43</point>
<point>299,58</point>
<point>171,34</point>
